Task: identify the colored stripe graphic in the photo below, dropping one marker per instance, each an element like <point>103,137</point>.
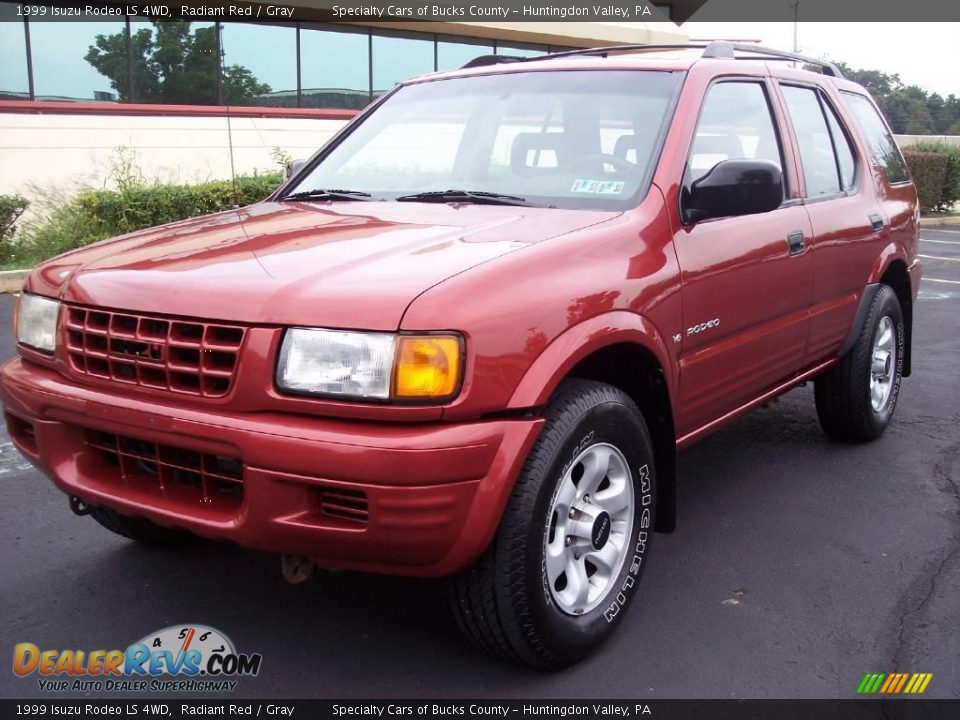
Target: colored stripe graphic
<point>903,680</point>
<point>894,683</point>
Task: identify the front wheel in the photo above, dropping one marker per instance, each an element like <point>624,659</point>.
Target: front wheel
<point>573,542</point>
<point>856,398</point>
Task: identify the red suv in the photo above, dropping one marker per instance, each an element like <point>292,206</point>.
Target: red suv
<point>469,335</point>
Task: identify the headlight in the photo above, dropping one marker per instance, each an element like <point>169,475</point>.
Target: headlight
<point>36,324</point>
<point>380,366</point>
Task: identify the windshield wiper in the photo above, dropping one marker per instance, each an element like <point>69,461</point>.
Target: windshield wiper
<point>325,194</point>
<point>469,196</point>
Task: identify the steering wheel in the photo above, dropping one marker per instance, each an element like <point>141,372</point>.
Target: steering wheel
<point>619,164</point>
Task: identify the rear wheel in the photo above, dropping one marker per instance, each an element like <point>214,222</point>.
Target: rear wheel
<point>139,529</point>
<point>573,542</point>
<point>856,398</point>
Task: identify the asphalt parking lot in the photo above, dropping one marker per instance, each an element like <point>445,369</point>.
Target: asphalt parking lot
<point>798,566</point>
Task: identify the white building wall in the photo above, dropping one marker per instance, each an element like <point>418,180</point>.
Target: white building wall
<point>66,152</point>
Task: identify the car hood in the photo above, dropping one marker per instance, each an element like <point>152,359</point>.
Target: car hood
<point>351,264</point>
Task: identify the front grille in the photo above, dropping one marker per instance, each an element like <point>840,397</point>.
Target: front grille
<point>182,356</point>
<point>211,481</point>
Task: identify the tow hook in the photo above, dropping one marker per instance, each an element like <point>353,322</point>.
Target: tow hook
<point>296,568</point>
<point>78,506</point>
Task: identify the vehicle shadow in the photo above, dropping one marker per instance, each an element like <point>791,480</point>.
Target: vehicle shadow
<point>345,634</point>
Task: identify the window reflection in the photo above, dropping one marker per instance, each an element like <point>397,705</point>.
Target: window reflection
<point>206,63</point>
<point>399,58</point>
<point>13,58</point>
<point>71,63</point>
<point>521,50</point>
<point>452,55</point>
<point>173,63</point>
<point>334,68</point>
<point>259,64</point>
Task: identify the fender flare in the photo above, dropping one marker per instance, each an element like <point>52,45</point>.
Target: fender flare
<point>581,340</point>
<point>866,300</point>
<point>575,344</point>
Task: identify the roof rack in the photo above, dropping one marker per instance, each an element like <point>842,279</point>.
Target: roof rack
<point>484,60</point>
<point>720,49</point>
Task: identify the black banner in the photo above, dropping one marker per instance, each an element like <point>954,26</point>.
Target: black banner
<point>175,708</point>
<point>499,11</point>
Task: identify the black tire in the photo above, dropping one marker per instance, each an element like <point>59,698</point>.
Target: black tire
<point>503,602</point>
<point>139,529</point>
<point>843,393</point>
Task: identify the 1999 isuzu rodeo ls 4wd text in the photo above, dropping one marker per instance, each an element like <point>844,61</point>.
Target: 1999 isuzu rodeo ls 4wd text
<point>467,337</point>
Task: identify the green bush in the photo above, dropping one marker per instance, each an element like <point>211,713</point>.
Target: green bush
<point>950,194</point>
<point>91,215</point>
<point>11,208</point>
<point>929,169</point>
<point>117,212</point>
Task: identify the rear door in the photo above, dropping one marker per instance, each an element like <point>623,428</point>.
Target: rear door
<point>746,281</point>
<point>848,221</point>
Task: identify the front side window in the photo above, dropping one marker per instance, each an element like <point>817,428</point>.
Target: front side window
<point>820,167</point>
<point>567,139</point>
<point>735,124</point>
<point>885,151</point>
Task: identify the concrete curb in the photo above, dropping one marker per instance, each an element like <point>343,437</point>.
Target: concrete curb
<point>12,280</point>
<point>937,221</point>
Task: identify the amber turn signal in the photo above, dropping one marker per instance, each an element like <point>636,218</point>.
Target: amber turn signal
<point>427,367</point>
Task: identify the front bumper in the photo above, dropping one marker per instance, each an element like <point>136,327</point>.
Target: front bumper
<point>421,499</point>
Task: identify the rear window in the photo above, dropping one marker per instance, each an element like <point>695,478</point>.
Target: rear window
<point>878,137</point>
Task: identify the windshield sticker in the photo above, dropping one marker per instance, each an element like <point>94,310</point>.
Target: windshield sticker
<point>597,187</point>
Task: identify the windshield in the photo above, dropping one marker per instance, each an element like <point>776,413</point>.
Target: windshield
<point>570,139</point>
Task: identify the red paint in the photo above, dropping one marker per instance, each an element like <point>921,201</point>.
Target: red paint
<point>533,292</point>
<point>63,107</point>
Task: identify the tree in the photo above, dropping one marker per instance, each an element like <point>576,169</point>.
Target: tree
<point>172,64</point>
<point>908,108</point>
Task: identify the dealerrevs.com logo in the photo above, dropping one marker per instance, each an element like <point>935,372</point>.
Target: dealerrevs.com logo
<point>179,658</point>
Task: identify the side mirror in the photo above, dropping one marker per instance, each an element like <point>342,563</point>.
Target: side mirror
<point>734,187</point>
<point>293,167</point>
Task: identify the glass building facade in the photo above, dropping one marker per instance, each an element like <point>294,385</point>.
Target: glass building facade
<point>307,65</point>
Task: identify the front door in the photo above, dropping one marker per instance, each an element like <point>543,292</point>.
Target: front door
<point>746,281</point>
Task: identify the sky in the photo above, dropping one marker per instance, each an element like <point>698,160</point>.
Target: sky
<point>924,54</point>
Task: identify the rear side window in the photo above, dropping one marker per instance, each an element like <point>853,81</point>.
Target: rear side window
<point>735,124</point>
<point>885,151</point>
<point>820,168</point>
<point>841,143</point>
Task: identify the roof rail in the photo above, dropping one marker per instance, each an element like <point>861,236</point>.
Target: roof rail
<point>724,49</point>
<point>484,60</point>
<point>720,49</point>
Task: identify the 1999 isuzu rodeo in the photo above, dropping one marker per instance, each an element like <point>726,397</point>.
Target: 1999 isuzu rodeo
<point>468,336</point>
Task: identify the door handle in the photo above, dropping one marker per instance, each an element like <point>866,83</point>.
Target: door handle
<point>876,221</point>
<point>795,243</point>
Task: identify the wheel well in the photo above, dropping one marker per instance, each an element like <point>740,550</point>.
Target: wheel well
<point>634,370</point>
<point>897,277</point>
